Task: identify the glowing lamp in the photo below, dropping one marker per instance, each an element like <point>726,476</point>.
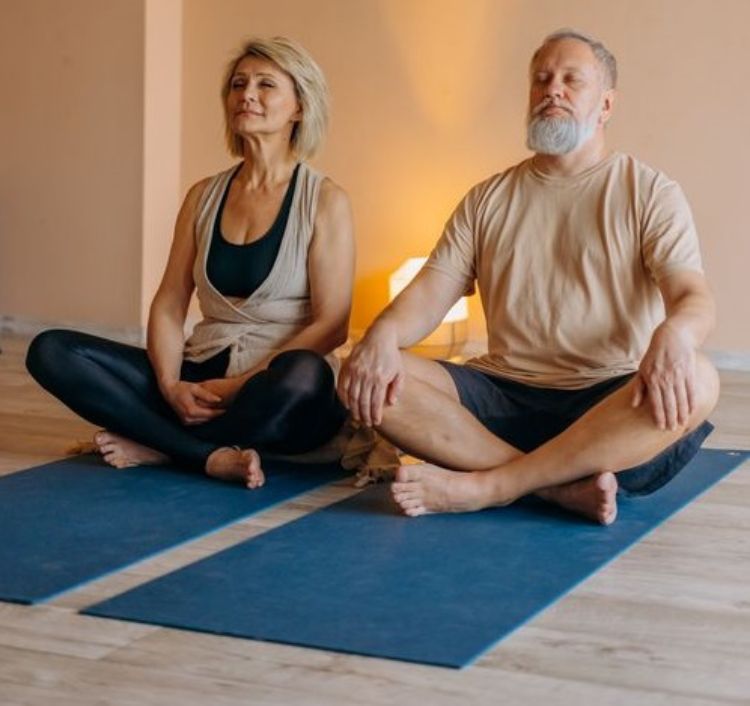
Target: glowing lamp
<point>407,272</point>
<point>447,341</point>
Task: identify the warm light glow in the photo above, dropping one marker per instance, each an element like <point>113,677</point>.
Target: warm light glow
<point>407,272</point>
<point>443,48</point>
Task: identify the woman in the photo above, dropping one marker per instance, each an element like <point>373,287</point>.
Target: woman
<point>268,244</point>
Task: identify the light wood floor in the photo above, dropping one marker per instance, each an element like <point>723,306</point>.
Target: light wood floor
<point>668,623</point>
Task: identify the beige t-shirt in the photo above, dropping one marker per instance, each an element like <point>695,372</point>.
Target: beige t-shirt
<point>568,267</point>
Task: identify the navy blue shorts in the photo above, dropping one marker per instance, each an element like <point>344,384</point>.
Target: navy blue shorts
<point>527,417</point>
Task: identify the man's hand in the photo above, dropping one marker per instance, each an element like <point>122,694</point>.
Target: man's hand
<point>371,377</point>
<point>193,403</point>
<point>666,378</point>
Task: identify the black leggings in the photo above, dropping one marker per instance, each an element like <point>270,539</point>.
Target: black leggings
<point>291,407</point>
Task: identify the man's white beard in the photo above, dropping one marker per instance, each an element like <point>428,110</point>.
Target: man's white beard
<point>557,134</point>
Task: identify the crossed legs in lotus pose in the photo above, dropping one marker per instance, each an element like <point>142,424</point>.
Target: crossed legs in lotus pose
<point>468,468</point>
<point>290,407</point>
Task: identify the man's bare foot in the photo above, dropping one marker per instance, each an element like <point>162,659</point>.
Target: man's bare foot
<point>232,464</point>
<point>120,452</point>
<point>594,497</point>
<point>423,488</point>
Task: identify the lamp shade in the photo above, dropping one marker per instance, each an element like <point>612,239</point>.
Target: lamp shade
<point>406,273</point>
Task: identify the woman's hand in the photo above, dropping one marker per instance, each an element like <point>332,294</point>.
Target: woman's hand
<point>192,402</point>
<point>225,389</point>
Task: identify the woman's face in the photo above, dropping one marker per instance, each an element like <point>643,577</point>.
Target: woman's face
<point>261,99</point>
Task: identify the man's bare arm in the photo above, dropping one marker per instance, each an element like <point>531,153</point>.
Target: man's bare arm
<point>373,374</point>
<point>666,376</point>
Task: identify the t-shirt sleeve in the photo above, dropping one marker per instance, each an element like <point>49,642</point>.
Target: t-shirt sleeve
<point>453,254</point>
<point>669,241</point>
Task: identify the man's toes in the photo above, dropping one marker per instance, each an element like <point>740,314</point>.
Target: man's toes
<point>397,488</point>
<point>607,482</point>
<point>409,503</point>
<point>608,514</point>
<point>401,488</point>
<point>407,474</point>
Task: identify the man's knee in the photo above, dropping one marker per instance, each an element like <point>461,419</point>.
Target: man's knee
<point>431,372</point>
<point>707,388</point>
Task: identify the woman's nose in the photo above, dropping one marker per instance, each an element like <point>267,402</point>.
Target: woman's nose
<point>250,93</point>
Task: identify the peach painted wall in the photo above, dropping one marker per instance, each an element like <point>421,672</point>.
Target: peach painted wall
<point>429,98</point>
<point>99,140</point>
<point>71,80</point>
<point>162,126</point>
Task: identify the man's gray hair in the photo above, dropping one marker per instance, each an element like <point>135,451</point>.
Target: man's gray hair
<point>603,55</point>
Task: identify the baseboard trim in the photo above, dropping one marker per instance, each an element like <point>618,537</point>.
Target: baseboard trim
<point>730,360</point>
<point>20,326</point>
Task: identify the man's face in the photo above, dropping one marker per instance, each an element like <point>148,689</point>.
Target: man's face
<point>567,99</point>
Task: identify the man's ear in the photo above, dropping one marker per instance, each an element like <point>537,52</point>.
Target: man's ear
<point>608,102</point>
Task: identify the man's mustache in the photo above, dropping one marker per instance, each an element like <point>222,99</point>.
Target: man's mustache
<point>548,103</point>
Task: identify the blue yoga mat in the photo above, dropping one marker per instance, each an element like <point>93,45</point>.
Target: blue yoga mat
<point>78,519</point>
<point>441,589</point>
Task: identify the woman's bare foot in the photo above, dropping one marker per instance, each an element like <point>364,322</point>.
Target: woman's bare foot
<point>423,488</point>
<point>594,497</point>
<point>232,464</point>
<point>120,452</point>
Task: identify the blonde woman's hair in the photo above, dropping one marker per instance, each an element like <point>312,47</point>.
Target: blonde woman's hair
<point>309,85</point>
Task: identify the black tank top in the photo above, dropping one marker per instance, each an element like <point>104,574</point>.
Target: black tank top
<point>238,270</point>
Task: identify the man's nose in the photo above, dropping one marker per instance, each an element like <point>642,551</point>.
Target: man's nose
<point>554,88</point>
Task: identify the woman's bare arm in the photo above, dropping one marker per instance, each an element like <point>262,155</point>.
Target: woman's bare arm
<point>166,321</point>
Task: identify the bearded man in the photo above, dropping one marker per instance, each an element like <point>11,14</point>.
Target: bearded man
<point>589,271</point>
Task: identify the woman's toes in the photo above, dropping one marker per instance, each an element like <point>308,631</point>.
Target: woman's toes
<point>112,459</point>
<point>254,481</point>
<point>102,438</point>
